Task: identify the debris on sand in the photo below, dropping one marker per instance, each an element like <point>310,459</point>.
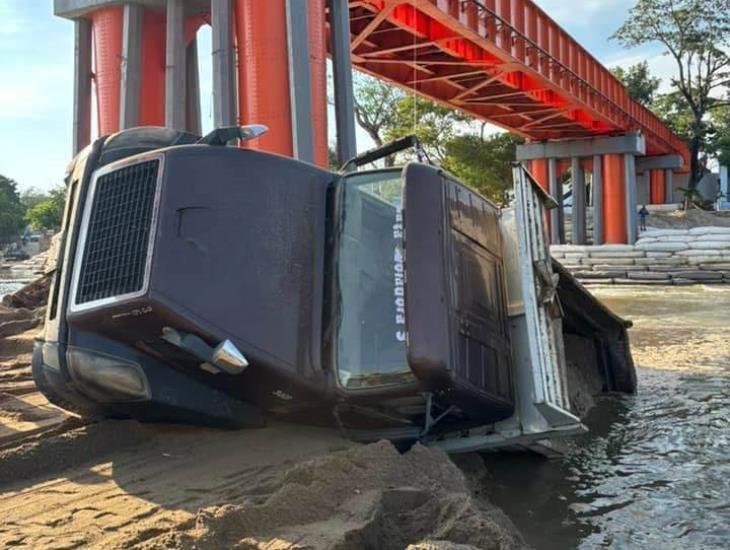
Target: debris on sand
<point>364,497</point>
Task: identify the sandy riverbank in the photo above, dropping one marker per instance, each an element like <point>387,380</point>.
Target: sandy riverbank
<point>68,483</point>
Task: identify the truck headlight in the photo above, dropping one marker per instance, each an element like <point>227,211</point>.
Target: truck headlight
<point>106,377</point>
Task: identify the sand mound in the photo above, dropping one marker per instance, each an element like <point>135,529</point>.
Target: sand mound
<point>365,497</point>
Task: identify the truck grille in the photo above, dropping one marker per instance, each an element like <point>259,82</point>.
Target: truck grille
<point>117,237</point>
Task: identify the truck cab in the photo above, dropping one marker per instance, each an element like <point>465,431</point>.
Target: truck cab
<point>218,285</point>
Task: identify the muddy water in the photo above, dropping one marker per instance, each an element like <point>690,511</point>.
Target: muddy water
<point>655,470</point>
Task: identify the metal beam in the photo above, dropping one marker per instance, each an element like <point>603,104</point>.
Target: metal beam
<point>663,162</point>
<point>342,73</point>
<point>82,85</point>
<point>598,199</point>
<point>579,202</point>
<point>556,190</point>
<point>629,143</point>
<point>74,9</point>
<point>131,66</point>
<point>300,85</point>
<point>631,206</point>
<point>192,89</point>
<point>668,186</point>
<point>224,80</point>
<point>175,65</point>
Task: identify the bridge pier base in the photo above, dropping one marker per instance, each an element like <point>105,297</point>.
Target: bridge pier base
<point>659,177</point>
<point>611,189</point>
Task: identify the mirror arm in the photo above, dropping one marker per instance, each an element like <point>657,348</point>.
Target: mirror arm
<point>381,152</point>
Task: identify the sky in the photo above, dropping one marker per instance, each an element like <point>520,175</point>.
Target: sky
<point>36,78</point>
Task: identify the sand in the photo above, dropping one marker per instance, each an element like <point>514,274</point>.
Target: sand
<point>67,482</point>
<point>120,484</point>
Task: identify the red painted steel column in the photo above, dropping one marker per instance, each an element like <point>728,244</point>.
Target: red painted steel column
<point>263,72</point>
<point>657,187</point>
<point>539,170</point>
<point>152,78</point>
<point>318,68</point>
<point>614,200</point>
<point>106,27</point>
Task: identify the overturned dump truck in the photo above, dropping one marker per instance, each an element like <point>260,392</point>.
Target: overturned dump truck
<point>218,285</point>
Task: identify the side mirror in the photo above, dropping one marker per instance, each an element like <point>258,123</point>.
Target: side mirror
<point>223,136</point>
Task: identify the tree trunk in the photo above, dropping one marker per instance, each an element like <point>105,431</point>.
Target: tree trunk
<point>694,162</point>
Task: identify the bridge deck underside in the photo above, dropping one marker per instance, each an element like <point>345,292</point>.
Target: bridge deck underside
<point>504,61</point>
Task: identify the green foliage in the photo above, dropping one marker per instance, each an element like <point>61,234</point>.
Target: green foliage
<point>374,106</point>
<point>32,196</point>
<point>484,163</point>
<point>720,142</point>
<point>433,124</point>
<point>48,212</point>
<point>641,86</point>
<point>12,211</point>
<point>696,34</point>
<point>446,135</point>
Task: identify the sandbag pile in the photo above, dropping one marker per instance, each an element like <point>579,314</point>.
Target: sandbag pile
<point>660,256</point>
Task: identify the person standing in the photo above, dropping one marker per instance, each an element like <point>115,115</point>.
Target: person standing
<point>643,213</point>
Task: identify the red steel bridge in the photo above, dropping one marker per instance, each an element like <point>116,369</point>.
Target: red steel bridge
<point>505,61</point>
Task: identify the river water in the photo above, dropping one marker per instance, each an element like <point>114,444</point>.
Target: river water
<point>655,470</point>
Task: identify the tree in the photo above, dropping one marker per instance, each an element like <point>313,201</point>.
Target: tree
<point>48,213</point>
<point>12,213</point>
<point>446,135</point>
<point>641,86</point>
<point>387,113</point>
<point>719,144</point>
<point>694,33</point>
<point>375,107</point>
<point>484,163</point>
<point>32,196</point>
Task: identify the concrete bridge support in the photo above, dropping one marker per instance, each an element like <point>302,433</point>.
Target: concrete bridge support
<point>658,174</point>
<point>611,163</point>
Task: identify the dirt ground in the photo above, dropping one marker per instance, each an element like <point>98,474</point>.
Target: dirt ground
<point>121,484</point>
<point>70,483</point>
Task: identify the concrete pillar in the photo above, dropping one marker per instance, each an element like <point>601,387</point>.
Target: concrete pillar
<point>224,81</point>
<point>556,191</point>
<point>192,89</point>
<point>668,186</point>
<point>579,202</point>
<point>342,74</point>
<point>597,199</point>
<point>300,85</point>
<point>631,206</point>
<point>614,200</point>
<point>82,85</point>
<point>131,66</point>
<point>175,65</point>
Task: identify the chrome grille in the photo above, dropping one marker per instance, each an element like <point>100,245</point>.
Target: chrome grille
<point>118,231</point>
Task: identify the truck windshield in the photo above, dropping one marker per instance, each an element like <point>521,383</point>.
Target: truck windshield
<point>371,347</point>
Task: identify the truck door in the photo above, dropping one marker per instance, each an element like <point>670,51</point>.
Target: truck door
<point>458,343</point>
